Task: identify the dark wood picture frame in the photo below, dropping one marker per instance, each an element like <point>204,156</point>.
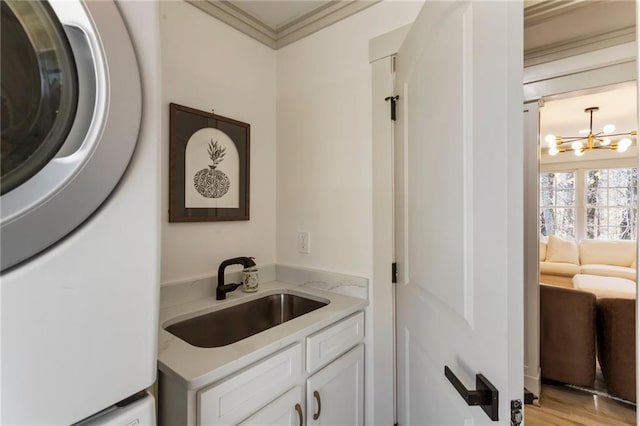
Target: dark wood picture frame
<point>184,122</point>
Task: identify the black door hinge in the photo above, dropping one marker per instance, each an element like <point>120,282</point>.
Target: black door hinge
<point>516,412</point>
<point>394,272</point>
<point>394,101</point>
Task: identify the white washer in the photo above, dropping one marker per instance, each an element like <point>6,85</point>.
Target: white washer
<point>139,412</point>
<point>80,208</point>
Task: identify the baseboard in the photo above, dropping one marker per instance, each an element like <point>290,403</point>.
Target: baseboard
<point>532,383</point>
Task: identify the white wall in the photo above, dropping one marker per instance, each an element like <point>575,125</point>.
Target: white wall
<point>324,141</point>
<point>323,168</point>
<point>324,161</point>
<point>207,64</point>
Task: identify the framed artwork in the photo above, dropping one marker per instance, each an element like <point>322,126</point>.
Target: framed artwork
<point>208,166</point>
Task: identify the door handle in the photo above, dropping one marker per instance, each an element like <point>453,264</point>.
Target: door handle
<point>485,395</point>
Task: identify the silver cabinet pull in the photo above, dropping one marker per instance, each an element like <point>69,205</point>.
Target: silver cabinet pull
<point>316,395</point>
<point>300,418</point>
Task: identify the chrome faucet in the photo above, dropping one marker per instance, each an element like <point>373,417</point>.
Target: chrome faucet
<point>223,289</point>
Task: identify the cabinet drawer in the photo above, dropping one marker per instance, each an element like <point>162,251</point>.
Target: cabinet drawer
<point>328,344</point>
<point>237,397</point>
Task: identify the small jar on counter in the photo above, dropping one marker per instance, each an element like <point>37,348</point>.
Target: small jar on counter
<point>250,279</point>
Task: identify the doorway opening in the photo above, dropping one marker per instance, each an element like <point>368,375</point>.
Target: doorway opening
<point>587,238</point>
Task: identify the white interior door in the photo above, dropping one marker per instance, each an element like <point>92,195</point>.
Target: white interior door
<point>459,210</point>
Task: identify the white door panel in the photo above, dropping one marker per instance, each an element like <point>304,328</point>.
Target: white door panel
<point>434,400</point>
<point>459,209</point>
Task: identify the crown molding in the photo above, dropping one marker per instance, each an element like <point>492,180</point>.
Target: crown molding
<point>541,16</point>
<point>555,51</point>
<point>317,19</point>
<point>539,11</point>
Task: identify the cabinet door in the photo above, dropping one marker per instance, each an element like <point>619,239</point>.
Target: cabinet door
<point>285,411</point>
<point>233,399</point>
<point>335,394</point>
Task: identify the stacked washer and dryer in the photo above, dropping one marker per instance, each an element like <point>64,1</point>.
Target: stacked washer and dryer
<point>80,211</point>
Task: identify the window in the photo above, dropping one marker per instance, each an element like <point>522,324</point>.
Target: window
<point>558,204</point>
<point>597,204</point>
<point>611,203</point>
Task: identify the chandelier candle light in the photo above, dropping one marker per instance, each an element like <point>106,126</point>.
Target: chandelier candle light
<point>600,140</point>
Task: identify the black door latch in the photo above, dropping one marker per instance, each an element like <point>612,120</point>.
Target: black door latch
<point>394,100</point>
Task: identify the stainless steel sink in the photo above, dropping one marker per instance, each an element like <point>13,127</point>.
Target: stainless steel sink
<point>226,326</point>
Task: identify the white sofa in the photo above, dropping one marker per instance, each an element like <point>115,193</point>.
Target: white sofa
<point>561,259</point>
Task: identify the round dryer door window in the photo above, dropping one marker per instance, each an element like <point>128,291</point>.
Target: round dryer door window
<point>39,90</point>
<point>71,115</point>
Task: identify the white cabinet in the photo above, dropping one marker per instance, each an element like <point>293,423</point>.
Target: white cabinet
<point>288,410</point>
<point>335,394</point>
<point>319,373</point>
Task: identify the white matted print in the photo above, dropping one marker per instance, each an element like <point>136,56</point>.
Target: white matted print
<point>212,170</point>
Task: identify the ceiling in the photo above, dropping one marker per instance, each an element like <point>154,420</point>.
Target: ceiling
<point>550,26</point>
<point>277,23</point>
<point>277,14</point>
<point>565,116</point>
<point>557,29</point>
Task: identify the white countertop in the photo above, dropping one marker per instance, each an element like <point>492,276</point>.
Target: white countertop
<point>196,367</point>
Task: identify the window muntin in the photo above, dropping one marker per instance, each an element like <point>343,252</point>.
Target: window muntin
<point>611,203</point>
<point>558,204</point>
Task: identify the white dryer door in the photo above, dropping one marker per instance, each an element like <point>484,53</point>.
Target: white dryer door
<point>67,143</point>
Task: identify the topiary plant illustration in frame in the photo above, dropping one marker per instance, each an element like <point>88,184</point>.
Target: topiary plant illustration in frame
<point>212,183</point>
<point>209,159</point>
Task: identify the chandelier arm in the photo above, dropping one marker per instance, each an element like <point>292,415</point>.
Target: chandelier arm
<point>567,139</point>
<point>563,141</point>
<point>572,138</point>
<point>619,134</point>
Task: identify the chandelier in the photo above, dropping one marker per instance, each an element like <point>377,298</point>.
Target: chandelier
<point>588,142</point>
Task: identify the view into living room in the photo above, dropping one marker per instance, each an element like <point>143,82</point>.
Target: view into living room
<point>588,220</point>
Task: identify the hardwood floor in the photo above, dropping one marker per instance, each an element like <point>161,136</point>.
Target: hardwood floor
<point>560,405</point>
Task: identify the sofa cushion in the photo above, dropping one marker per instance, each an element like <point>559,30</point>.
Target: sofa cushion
<point>557,280</point>
<point>609,271</point>
<point>607,286</point>
<point>618,253</point>
<point>543,250</point>
<point>616,331</point>
<point>567,335</point>
<point>559,268</point>
<point>561,250</point>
